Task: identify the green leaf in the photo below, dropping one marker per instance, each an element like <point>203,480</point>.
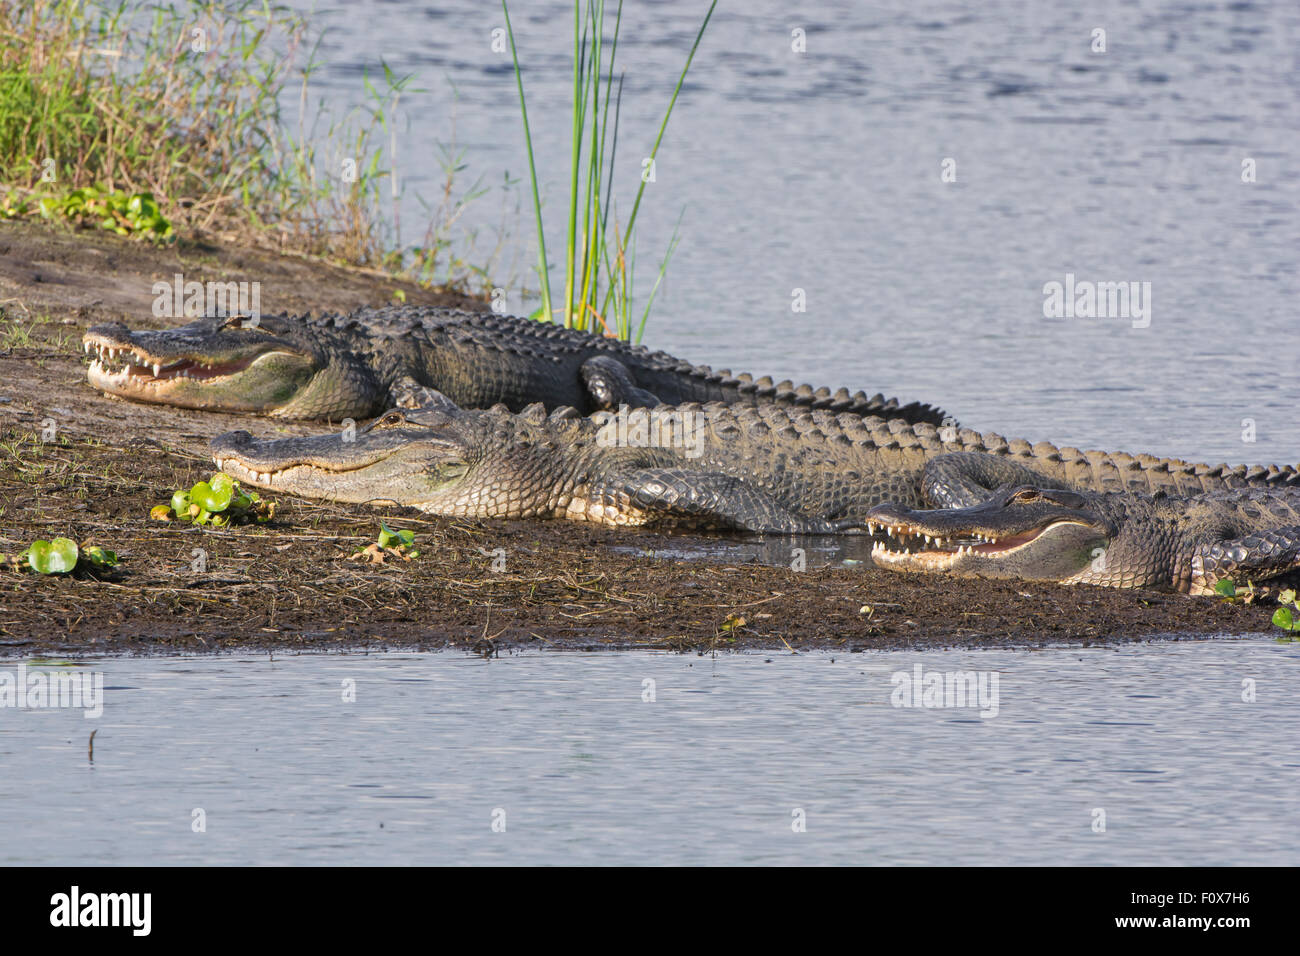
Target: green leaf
<point>1226,588</point>
<point>1286,597</point>
<point>99,557</point>
<point>181,502</point>
<point>213,497</point>
<point>53,557</point>
<point>1282,618</point>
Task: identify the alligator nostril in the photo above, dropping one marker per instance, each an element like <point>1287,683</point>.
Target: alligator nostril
<point>230,439</point>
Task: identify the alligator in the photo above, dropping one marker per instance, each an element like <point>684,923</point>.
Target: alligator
<point>356,366</point>
<point>1179,543</point>
<point>715,466</point>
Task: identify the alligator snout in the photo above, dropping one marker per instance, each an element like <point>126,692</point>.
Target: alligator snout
<point>230,442</point>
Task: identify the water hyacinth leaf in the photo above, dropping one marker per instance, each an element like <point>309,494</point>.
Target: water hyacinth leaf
<point>212,497</point>
<point>181,503</point>
<point>53,557</point>
<point>200,493</point>
<point>160,513</point>
<point>1226,588</point>
<point>100,557</point>
<point>1283,618</point>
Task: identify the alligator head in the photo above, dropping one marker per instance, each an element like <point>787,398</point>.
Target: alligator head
<point>440,459</point>
<point>403,457</point>
<point>269,367</point>
<point>1034,534</point>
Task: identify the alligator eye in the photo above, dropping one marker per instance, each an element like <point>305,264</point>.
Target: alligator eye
<point>243,322</point>
<point>1025,496</point>
<point>389,419</point>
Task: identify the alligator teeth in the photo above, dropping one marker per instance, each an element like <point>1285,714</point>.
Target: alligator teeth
<point>157,369</point>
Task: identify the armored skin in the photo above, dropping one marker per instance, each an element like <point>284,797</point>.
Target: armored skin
<point>358,365</point>
<point>1184,543</point>
<point>751,468</point>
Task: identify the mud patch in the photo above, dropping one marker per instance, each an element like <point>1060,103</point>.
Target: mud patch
<point>74,462</point>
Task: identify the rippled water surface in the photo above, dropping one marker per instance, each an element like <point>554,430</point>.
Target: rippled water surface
<point>817,171</point>
<point>567,752</point>
<point>820,171</point>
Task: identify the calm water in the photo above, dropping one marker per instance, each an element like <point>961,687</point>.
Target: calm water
<point>817,171</point>
<point>711,771</point>
<point>821,171</point>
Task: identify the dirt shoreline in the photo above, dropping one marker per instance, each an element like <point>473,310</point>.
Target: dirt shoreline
<point>290,585</point>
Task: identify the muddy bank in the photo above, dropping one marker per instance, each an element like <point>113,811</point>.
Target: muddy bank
<point>74,462</point>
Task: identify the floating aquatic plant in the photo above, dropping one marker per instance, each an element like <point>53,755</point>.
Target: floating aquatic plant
<point>218,502</point>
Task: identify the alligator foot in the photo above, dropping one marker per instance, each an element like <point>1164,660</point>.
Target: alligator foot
<point>1260,555</point>
<point>609,384</point>
<point>713,500</point>
<point>408,393</point>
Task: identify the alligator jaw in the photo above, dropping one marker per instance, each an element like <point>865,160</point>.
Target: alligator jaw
<point>139,371</point>
<point>267,479</point>
<point>908,548</point>
<point>287,474</point>
<point>260,376</point>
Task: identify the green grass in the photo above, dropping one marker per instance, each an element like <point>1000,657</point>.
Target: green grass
<point>14,335</point>
<point>599,255</point>
<point>126,98</point>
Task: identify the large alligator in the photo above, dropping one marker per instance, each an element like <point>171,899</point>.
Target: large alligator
<point>1174,543</point>
<point>355,366</point>
<point>755,468</point>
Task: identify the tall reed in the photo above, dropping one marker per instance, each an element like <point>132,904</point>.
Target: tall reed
<point>599,255</point>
